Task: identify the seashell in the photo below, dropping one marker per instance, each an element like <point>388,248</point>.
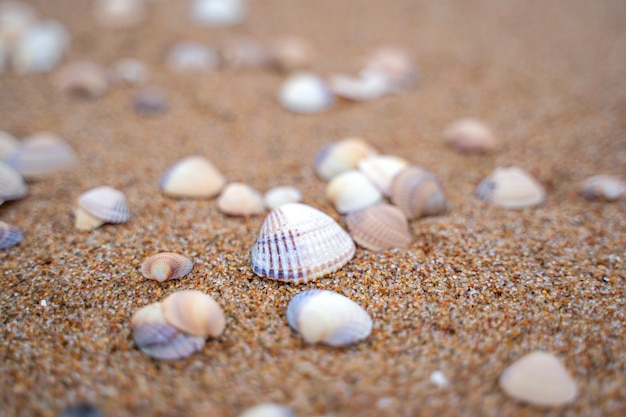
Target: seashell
<point>511,188</point>
<point>418,193</point>
<point>245,53</point>
<point>341,156</point>
<point>291,53</point>
<point>4,56</point>
<point>305,93</point>
<point>298,243</point>
<point>119,14</point>
<point>194,312</point>
<point>84,78</point>
<point>155,337</point>
<point>352,191</point>
<point>193,177</point>
<point>239,199</point>
<point>380,227</point>
<point>328,317</point>
<point>393,63</point>
<point>218,13</point>
<point>15,19</point>
<point>150,101</point>
<point>278,196</point>
<point>41,47</point>
<point>470,135</point>
<point>381,169</point>
<point>81,409</point>
<point>192,56</point>
<point>165,266</point>
<point>42,154</point>
<point>128,71</point>
<point>101,205</point>
<point>8,145</point>
<point>268,410</point>
<point>539,378</point>
<point>367,86</point>
<point>9,235</point>
<point>12,186</point>
<point>604,187</point>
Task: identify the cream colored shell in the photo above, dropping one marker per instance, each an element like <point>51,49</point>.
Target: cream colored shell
<point>337,157</point>
<point>470,135</point>
<point>192,177</point>
<point>165,266</point>
<point>194,312</point>
<point>239,199</point>
<point>511,188</point>
<point>352,191</point>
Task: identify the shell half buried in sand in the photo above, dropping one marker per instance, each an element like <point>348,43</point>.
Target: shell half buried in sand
<point>327,317</point>
<point>165,266</point>
<point>511,188</point>
<point>418,193</point>
<point>9,235</point>
<point>298,243</point>
<point>101,205</point>
<point>192,177</point>
<point>379,227</point>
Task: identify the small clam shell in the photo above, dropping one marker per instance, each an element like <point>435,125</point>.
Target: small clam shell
<point>40,155</point>
<point>268,410</point>
<point>8,145</point>
<point>291,53</point>
<point>83,78</point>
<point>166,265</point>
<point>328,317</point>
<point>352,191</point>
<point>218,13</point>
<point>604,187</point>
<point>9,235</point>
<point>194,312</point>
<point>159,339</point>
<point>470,135</point>
<point>12,186</point>
<point>381,169</point>
<point>101,205</point>
<point>395,64</point>
<point>119,14</point>
<point>192,56</point>
<point>239,199</point>
<point>305,93</point>
<point>192,177</point>
<point>40,48</point>
<point>341,156</point>
<point>298,243</point>
<point>379,227</point>
<point>511,188</point>
<point>367,86</point>
<point>539,378</point>
<point>278,196</point>
<point>418,193</point>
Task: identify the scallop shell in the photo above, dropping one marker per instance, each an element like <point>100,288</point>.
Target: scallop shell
<point>539,378</point>
<point>381,170</point>
<point>165,266</point>
<point>40,48</point>
<point>101,205</point>
<point>511,188</point>
<point>192,177</point>
<point>328,317</point>
<point>8,145</point>
<point>418,193</point>
<point>352,191</point>
<point>341,156</point>
<point>298,244</point>
<point>119,14</point>
<point>83,78</point>
<point>194,312</point>
<point>12,186</point>
<point>239,199</point>
<point>192,56</point>
<point>268,410</point>
<point>379,227</point>
<point>218,13</point>
<point>278,196</point>
<point>604,187</point>
<point>42,154</point>
<point>157,338</point>
<point>305,93</point>
<point>9,235</point>
<point>470,135</point>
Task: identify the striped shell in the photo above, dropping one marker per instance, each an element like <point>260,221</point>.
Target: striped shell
<point>239,199</point>
<point>192,177</point>
<point>352,191</point>
<point>511,188</point>
<point>299,243</point>
<point>9,235</point>
<point>379,227</point>
<point>418,193</point>
<point>341,156</point>
<point>40,155</point>
<point>328,317</point>
<point>165,266</point>
<point>605,187</point>
<point>381,170</point>
<point>12,186</point>
<point>470,135</point>
<point>101,204</point>
<point>194,312</point>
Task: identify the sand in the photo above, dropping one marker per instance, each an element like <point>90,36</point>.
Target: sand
<point>476,289</point>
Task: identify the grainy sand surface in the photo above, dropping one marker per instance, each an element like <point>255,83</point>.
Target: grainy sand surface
<point>477,288</point>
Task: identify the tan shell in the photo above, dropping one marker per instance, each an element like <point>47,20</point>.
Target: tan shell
<point>165,266</point>
<point>511,188</point>
<point>239,199</point>
<point>605,187</point>
<point>352,191</point>
<point>470,135</point>
<point>192,177</point>
<point>418,193</point>
<point>83,78</point>
<point>337,157</point>
<point>380,227</point>
<point>40,155</point>
<point>194,312</point>
<point>381,170</point>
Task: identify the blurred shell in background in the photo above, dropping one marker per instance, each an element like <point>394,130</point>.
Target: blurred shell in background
<point>305,93</point>
<point>511,188</point>
<point>239,199</point>
<point>344,155</point>
<point>40,155</point>
<point>192,177</point>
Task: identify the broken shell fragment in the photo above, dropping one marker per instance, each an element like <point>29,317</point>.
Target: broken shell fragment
<point>9,235</point>
<point>278,196</point>
<point>12,186</point>
<point>83,78</point>
<point>194,312</point>
<point>344,155</point>
<point>298,243</point>
<point>352,191</point>
<point>8,145</point>
<point>305,93</point>
<point>192,56</point>
<point>328,317</point>
<point>471,136</point>
<point>239,199</point>
<point>268,410</point>
<point>511,188</point>
<point>192,177</point>
<point>165,266</point>
<point>539,378</point>
<point>40,155</point>
<point>380,227</point>
<point>381,170</point>
<point>604,187</point>
<point>101,205</point>
<point>418,193</point>
<point>218,13</point>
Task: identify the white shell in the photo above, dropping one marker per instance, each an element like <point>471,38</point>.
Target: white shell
<point>192,177</point>
<point>119,14</point>
<point>381,169</point>
<point>218,13</point>
<point>278,196</point>
<point>298,243</point>
<point>539,378</point>
<point>40,155</point>
<point>105,204</point>
<point>367,86</point>
<point>604,187</point>
<point>328,317</point>
<point>84,78</point>
<point>511,188</point>
<point>41,47</point>
<point>15,19</point>
<point>165,266</point>
<point>344,155</point>
<point>239,199</point>
<point>12,186</point>
<point>379,227</point>
<point>418,193</point>
<point>352,191</point>
<point>268,410</point>
<point>9,235</point>
<point>194,312</point>
<point>8,145</point>
<point>470,135</point>
<point>305,93</point>
<point>192,56</point>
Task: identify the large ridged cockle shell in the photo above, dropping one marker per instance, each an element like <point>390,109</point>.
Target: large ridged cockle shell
<point>192,177</point>
<point>470,136</point>
<point>40,155</point>
<point>418,193</point>
<point>299,243</point>
<point>337,157</point>
<point>101,205</point>
<point>12,186</point>
<point>511,188</point>
<point>352,191</point>
<point>165,266</point>
<point>157,338</point>
<point>603,187</point>
<point>268,410</point>
<point>379,227</point>
<point>9,235</point>
<point>305,93</point>
<point>194,312</point>
<point>238,199</point>
<point>381,170</point>
<point>539,378</point>
<point>328,317</point>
